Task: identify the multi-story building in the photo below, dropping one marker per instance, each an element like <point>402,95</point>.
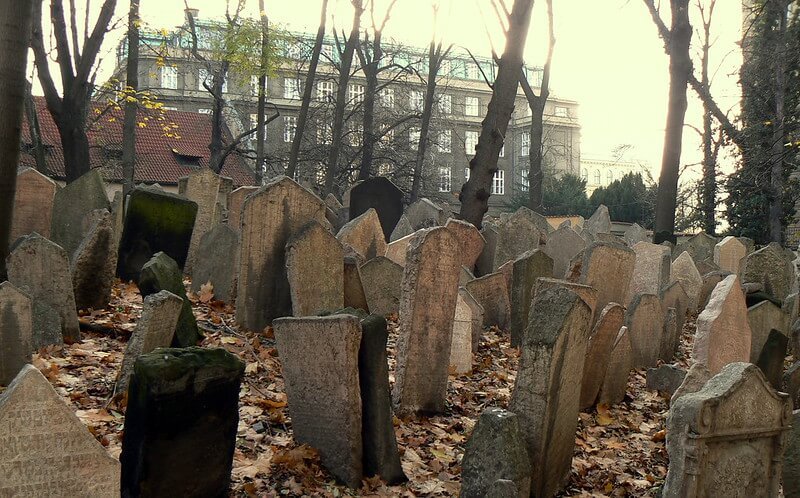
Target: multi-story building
<point>601,172</point>
<point>463,93</point>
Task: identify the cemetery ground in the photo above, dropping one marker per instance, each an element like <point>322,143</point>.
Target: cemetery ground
<point>620,451</point>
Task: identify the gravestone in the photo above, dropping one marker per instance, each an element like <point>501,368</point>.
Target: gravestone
<point>673,296</point>
<point>683,270</point>
<point>396,250</point>
<point>16,331</point>
<point>516,236</point>
<point>426,329</point>
<point>645,322</point>
<point>599,222</point>
<point>425,214</point>
<point>507,269</point>
<point>94,265</point>
<point>790,475</point>
<point>155,221</point>
<point>320,367</point>
<point>236,203</point>
<point>40,268</point>
<point>706,266</point>
<point>381,278</point>
<point>670,337</point>
<point>527,269</point>
<point>33,204</point>
<point>791,383</point>
<point>650,270</point>
<point>699,246</point>
<point>71,204</point>
<point>710,280</point>
<point>485,263</point>
<point>494,451</point>
<point>162,273</point>
<point>217,261</point>
<point>492,294</point>
<point>45,450</point>
<point>620,363</point>
<point>461,347</point>
<point>203,188</point>
<point>563,245</point>
<point>180,425</point>
<point>315,269</point>
<point>771,268</point>
<point>723,335</point>
<point>155,329</point>
<point>354,295</point>
<point>728,254</point>
<point>608,268</point>
<point>546,395</point>
<point>598,352</point>
<point>665,379</point>
<point>696,377</point>
<point>762,318</point>
<point>470,241</point>
<point>269,218</point>
<point>635,234</point>
<point>402,229</point>
<point>476,314</point>
<point>770,361</point>
<point>588,294</point>
<point>727,438</point>
<point>381,194</point>
<point>364,234</point>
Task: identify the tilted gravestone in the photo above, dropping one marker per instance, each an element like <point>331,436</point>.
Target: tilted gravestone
<point>608,268</point>
<point>354,295</point>
<point>710,280</point>
<point>670,337</point>
<point>683,270</point>
<point>491,292</point>
<point>673,296</point>
<point>598,352</point>
<point>381,194</point>
<point>620,363</point>
<point>485,263</point>
<point>599,222</point>
<point>563,245</point>
<point>396,250</point>
<point>155,221</point>
<point>382,278</point>
<point>94,265</point>
<point>162,273</point>
<point>665,379</point>
<point>320,367</point>
<point>40,268</point>
<point>45,450</point>
<point>727,439</point>
<point>762,318</point>
<point>217,262</point>
<point>587,293</point>
<point>203,188</point>
<point>527,269</point>
<point>772,268</point>
<point>180,401</point>
<point>635,234</point>
<point>772,356</point>
<point>71,204</point>
<point>269,218</point>
<point>33,204</point>
<point>645,321</point>
<point>728,254</point>
<point>465,340</point>
<point>425,214</point>
<point>16,331</point>
<point>424,341</point>
<point>650,271</point>
<point>315,269</point>
<point>235,205</point>
<point>364,235</point>
<point>470,241</point>
<point>402,229</point>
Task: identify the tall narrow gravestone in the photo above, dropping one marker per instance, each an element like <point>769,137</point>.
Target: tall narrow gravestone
<point>608,268</point>
<point>528,268</point>
<point>315,268</point>
<point>94,264</point>
<point>45,450</point>
<point>203,188</point>
<point>16,331</point>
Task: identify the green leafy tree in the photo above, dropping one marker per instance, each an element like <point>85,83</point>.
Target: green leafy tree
<point>628,199</point>
<point>562,195</point>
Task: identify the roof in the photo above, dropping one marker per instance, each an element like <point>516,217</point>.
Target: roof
<point>160,157</point>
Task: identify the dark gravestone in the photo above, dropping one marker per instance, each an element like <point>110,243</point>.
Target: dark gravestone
<point>382,195</point>
<point>216,262</point>
<point>162,273</point>
<point>180,427</point>
<point>155,221</point>
<point>770,361</point>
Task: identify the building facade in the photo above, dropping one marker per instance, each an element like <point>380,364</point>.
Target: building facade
<point>601,172</point>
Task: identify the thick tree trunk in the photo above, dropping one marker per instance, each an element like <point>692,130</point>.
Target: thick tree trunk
<point>35,131</point>
<point>217,148</point>
<point>679,68</point>
<point>777,152</point>
<point>71,126</point>
<point>475,194</point>
<point>131,89</point>
<point>15,33</point>
<point>434,61</point>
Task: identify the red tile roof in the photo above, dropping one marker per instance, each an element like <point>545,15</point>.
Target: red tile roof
<point>159,158</point>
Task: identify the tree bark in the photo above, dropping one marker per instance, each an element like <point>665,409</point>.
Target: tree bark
<point>131,89</point>
<point>35,131</point>
<point>475,194</point>
<point>776,156</point>
<point>434,62</point>
<point>708,195</point>
<point>261,107</point>
<point>371,67</point>
<point>15,33</point>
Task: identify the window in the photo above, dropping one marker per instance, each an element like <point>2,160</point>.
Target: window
<point>524,183</point>
<point>327,53</point>
<point>413,136</point>
<point>562,112</point>
<point>384,169</point>
<point>470,142</point>
<point>355,94</point>
<point>291,88</point>
<point>471,106</point>
<point>525,143</point>
<point>289,128</point>
<point>204,111</point>
<point>415,100</point>
<point>597,177</point>
<point>387,134</point>
<point>445,68</point>
<point>325,91</point>
<point>324,134</point>
<point>585,175</point>
<point>503,150</point>
<point>170,108</point>
<point>203,76</point>
<point>387,97</point>
<point>445,104</point>
<point>225,85</point>
<point>169,77</point>
<point>498,183</point>
<point>444,178</point>
<point>445,140</point>
<point>472,71</point>
<point>609,177</point>
<point>254,85</point>
<point>466,174</point>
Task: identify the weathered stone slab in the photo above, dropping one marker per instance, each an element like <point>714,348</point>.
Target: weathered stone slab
<point>645,322</point>
<point>354,295</point>
<point>485,263</point>
<point>696,378</point>
<point>33,204</point>
<point>402,229</point>
<point>461,346</point>
<point>771,268</point>
<point>517,235</point>
<point>155,329</point>
<point>71,204</point>
<point>40,268</point>
<point>650,270</point>
<point>365,235</point>
<point>217,262</point>
<point>269,218</point>
<point>727,438</point>
<point>425,214</point>
<point>202,187</point>
<point>706,266</point>
<point>495,452</point>
<point>315,269</point>
<point>381,278</point>
<point>588,294</point>
<point>762,318</point>
<point>426,330</point>
<point>670,337</point>
<point>791,383</point>
<point>665,379</point>
<point>94,265</point>
<point>599,222</point>
<point>396,250</point>
<point>598,352</point>
<point>469,239</point>
<point>699,246</point>
<point>492,294</point>
<point>503,488</point>
<point>728,254</point>
<point>673,296</point>
<point>45,450</point>
<point>319,356</point>
<point>162,273</point>
<point>16,331</point>
<point>723,335</point>
<point>770,361</point>
<point>790,475</point>
<point>608,268</point>
<point>546,394</point>
<point>683,270</point>
<point>710,280</point>
<point>563,245</point>
<point>181,400</point>
<point>476,313</point>
<point>615,382</point>
<point>635,234</point>
<point>381,194</point>
<point>236,203</point>
<point>527,269</point>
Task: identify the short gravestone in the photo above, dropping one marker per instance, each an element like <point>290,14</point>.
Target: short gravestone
<point>180,401</point>
<point>728,254</point>
<point>364,234</point>
<point>546,395</point>
<point>45,450</point>
<point>470,241</point>
<point>492,294</point>
<point>381,194</point>
<point>527,269</point>
<point>683,270</point>
<point>40,268</point>
<point>235,204</point>
<point>71,204</point>
<point>494,451</point>
<point>33,204</point>
<point>608,268</point>
<point>396,250</point>
<point>516,236</point>
<point>155,221</point>
<point>599,222</point>
<point>620,363</point>
<point>203,188</point>
<point>723,335</point>
<point>635,234</point>
<point>320,363</point>
<point>727,438</point>
<point>650,271</point>
<point>402,229</point>
<point>354,295</point>
<point>16,331</point>
<point>217,261</point>
<point>381,278</point>
<point>645,321</point>
<point>707,266</point>
<point>426,329</point>
<point>665,378</point>
<point>94,265</point>
<point>155,329</point>
<point>425,214</point>
<point>315,269</point>
<point>699,246</point>
<point>771,268</point>
<point>162,273</point>
<point>563,245</point>
<point>790,475</point>
<point>770,361</point>
<point>598,352</point>
<point>762,318</point>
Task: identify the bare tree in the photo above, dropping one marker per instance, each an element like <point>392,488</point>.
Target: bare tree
<point>261,107</point>
<point>131,107</point>
<point>708,204</point>
<point>776,156</point>
<point>34,130</point>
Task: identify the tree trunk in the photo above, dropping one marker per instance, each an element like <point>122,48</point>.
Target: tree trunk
<point>308,91</point>
<point>217,159</point>
<point>475,194</point>
<point>370,69</point>
<point>71,126</point>
<point>15,33</point>
<point>776,156</point>
<point>35,131</point>
<point>434,61</point>
<point>261,107</point>
<point>679,67</point>
<point>708,194</point>
<point>131,89</point>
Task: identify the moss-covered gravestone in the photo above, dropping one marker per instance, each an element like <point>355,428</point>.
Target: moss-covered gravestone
<point>180,427</point>
<point>155,221</point>
<point>162,273</point>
